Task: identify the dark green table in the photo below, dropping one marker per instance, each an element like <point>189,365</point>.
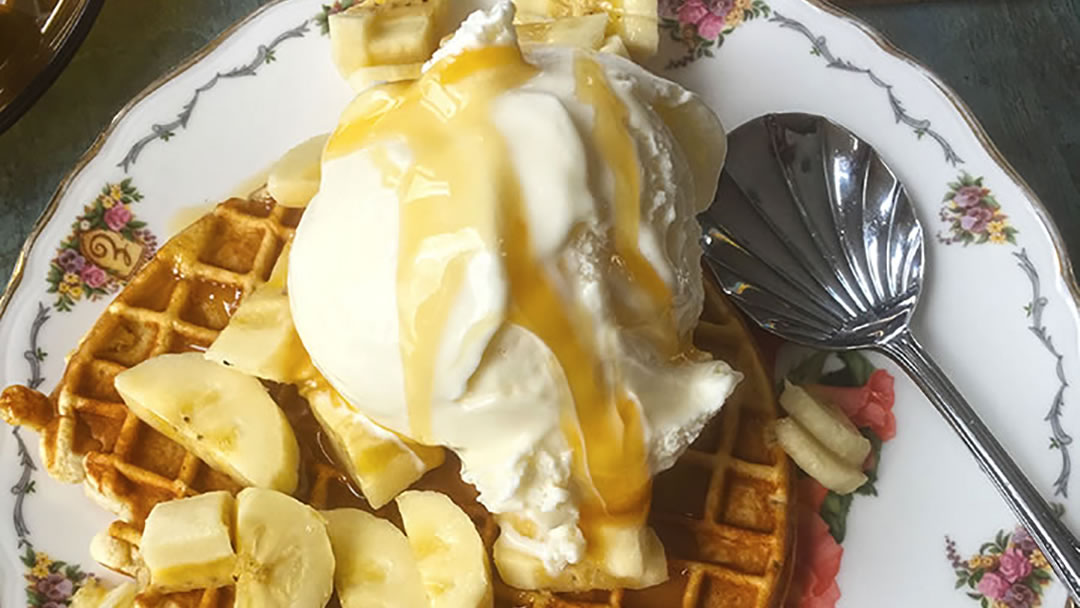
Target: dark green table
<point>1015,62</point>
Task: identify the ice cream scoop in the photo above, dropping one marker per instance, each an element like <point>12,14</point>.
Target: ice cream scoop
<point>503,259</point>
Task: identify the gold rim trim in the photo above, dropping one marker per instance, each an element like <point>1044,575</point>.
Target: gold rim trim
<point>1061,255</point>
<point>1065,268</point>
<point>91,153</point>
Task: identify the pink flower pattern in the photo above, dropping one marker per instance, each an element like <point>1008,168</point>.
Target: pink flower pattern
<point>993,585</point>
<point>93,276</point>
<point>701,25</point>
<point>818,555</point>
<point>868,406</point>
<point>969,196</point>
<point>973,216</point>
<point>709,19</point>
<point>73,276</point>
<point>117,217</point>
<point>1007,572</point>
<point>976,219</point>
<point>1014,565</point>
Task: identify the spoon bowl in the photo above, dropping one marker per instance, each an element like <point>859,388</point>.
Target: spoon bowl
<point>813,235</point>
<point>814,238</point>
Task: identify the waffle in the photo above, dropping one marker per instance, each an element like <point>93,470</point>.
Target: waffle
<point>723,511</point>
<point>178,302</point>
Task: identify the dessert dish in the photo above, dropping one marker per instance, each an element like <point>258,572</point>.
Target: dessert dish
<point>523,345</point>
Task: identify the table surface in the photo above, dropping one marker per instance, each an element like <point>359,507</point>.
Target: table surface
<point>1015,62</point>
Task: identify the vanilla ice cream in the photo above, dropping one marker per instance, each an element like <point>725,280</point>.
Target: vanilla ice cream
<point>502,259</point>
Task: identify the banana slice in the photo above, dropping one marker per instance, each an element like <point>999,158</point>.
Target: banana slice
<point>221,415</point>
<point>449,553</point>
<point>187,543</point>
<point>261,340</point>
<point>585,32</point>
<point>121,596</point>
<point>366,77</point>
<point>375,566</point>
<point>93,595</point>
<point>284,554</point>
<point>827,423</point>
<point>614,45</point>
<point>635,21</point>
<point>632,557</point>
<point>387,34</point>
<point>521,17</point>
<point>294,179</point>
<point>816,459</point>
<point>640,33</point>
<point>382,463</point>
<point>279,276</point>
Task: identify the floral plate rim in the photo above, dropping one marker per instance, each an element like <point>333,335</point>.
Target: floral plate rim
<point>46,216</point>
<point>1064,269</point>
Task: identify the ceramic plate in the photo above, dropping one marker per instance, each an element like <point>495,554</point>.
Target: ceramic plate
<point>999,307</point>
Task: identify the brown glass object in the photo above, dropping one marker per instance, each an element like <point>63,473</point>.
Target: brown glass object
<point>37,39</point>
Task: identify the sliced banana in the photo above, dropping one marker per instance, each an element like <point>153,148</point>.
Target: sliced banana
<point>294,178</point>
<point>451,557</point>
<point>260,339</point>
<point>635,21</point>
<point>614,45</point>
<point>284,556</point>
<point>187,543</point>
<point>94,595</point>
<point>522,17</point>
<point>640,33</point>
<point>817,460</point>
<point>585,32</point>
<point>387,34</point>
<point>382,463</point>
<point>632,558</point>
<point>279,275</point>
<point>89,595</point>
<point>375,566</point>
<point>120,596</point>
<point>634,555</point>
<point>223,416</point>
<point>827,423</point>
<point>366,77</point>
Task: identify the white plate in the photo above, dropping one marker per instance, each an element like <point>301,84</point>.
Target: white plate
<point>1000,316</point>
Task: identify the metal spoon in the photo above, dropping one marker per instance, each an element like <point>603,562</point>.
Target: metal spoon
<point>815,239</point>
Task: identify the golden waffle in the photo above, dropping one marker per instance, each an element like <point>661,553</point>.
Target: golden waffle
<point>177,303</point>
<point>723,511</point>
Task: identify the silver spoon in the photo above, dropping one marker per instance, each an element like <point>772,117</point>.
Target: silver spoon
<point>815,239</point>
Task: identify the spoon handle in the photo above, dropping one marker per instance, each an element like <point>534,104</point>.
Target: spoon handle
<point>1050,534</point>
